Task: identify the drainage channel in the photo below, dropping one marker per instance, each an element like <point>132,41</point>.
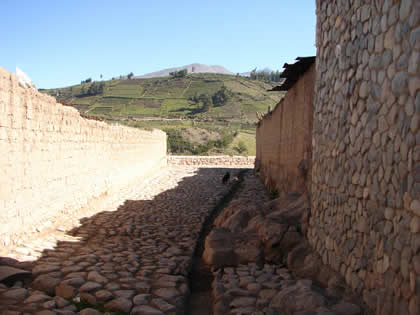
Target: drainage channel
<point>201,278</point>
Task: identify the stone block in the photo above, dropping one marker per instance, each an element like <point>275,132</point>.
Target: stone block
<point>415,224</point>
<point>219,249</point>
<point>415,207</point>
<point>400,83</point>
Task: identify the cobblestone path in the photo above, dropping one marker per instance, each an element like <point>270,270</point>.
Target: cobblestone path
<point>131,259</point>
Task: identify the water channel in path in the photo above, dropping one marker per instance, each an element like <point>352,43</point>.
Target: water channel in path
<point>201,277</point>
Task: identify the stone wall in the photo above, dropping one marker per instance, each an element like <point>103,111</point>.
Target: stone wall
<point>53,161</point>
<point>284,139</point>
<point>210,161</point>
<point>365,219</point>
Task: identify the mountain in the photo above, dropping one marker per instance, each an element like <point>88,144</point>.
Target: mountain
<point>192,68</point>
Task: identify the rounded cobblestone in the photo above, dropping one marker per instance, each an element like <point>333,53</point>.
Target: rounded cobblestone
<point>132,256</point>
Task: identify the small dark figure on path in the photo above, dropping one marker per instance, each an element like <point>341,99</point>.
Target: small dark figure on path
<point>226,178</point>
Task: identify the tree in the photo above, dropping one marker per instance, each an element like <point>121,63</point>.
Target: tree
<point>178,74</point>
<point>253,74</point>
<point>88,80</point>
<point>101,76</point>
<point>205,99</point>
<point>94,89</point>
<point>220,97</point>
<point>91,89</point>
<point>277,76</point>
<point>130,75</point>
<point>273,76</point>
<point>101,88</point>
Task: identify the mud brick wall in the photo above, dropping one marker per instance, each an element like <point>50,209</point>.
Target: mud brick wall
<point>365,219</point>
<point>216,160</point>
<point>53,161</point>
<point>284,139</point>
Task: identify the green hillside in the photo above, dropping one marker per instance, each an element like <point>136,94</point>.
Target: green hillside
<point>201,113</point>
<point>170,97</point>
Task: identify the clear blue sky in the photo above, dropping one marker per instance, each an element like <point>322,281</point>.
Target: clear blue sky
<point>59,43</point>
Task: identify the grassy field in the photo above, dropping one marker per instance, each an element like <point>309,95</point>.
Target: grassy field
<point>171,104</point>
<point>248,139</point>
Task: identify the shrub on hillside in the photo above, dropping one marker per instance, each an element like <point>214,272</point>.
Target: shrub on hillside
<point>221,97</point>
<point>179,145</point>
<point>241,147</point>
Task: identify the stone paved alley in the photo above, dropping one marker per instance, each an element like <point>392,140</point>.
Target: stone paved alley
<point>132,258</point>
<point>140,252</point>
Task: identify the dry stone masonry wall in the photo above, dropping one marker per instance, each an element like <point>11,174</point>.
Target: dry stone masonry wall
<point>53,161</point>
<point>366,149</point>
<point>211,161</point>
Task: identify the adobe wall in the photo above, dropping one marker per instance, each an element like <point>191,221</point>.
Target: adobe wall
<point>284,139</point>
<point>365,219</point>
<point>53,161</point>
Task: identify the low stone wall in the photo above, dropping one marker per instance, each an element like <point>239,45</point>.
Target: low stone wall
<point>53,161</point>
<point>222,160</point>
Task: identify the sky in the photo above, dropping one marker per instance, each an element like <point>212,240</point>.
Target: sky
<point>59,43</point>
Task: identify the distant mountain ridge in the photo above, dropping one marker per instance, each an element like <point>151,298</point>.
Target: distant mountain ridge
<point>192,68</point>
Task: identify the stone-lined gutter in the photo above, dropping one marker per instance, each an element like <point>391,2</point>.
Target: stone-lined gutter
<point>201,278</point>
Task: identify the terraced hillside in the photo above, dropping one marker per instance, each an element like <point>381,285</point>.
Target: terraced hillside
<point>170,97</point>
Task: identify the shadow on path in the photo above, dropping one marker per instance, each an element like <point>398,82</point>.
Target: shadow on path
<point>135,259</point>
